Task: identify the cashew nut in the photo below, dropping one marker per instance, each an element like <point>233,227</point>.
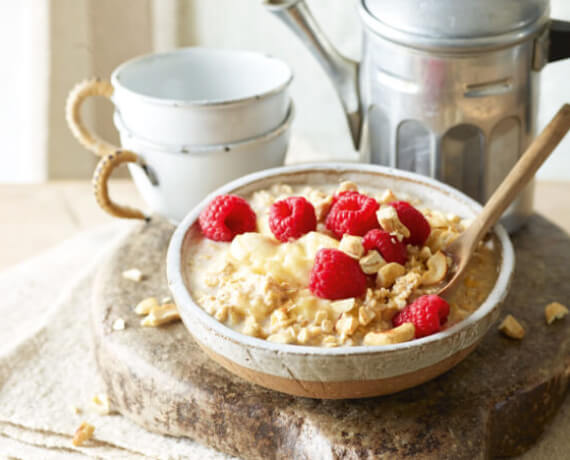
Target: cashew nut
<point>347,186</point>
<point>351,245</point>
<point>387,197</point>
<point>346,324</point>
<point>365,315</point>
<point>402,333</point>
<point>146,305</point>
<point>554,311</point>
<point>437,269</point>
<point>389,220</point>
<point>388,274</point>
<point>344,305</point>
<point>371,262</point>
<point>512,328</point>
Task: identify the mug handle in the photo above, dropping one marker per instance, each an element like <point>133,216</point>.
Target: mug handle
<point>82,91</point>
<point>101,176</point>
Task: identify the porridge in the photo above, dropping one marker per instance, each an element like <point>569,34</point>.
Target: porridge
<point>332,266</point>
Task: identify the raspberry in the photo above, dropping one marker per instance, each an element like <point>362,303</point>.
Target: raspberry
<point>336,275</point>
<point>387,245</point>
<point>415,221</point>
<point>291,218</point>
<point>352,213</point>
<point>336,196</point>
<point>227,216</point>
<point>428,313</point>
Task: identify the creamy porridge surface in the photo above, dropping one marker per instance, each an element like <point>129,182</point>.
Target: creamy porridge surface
<point>259,286</point>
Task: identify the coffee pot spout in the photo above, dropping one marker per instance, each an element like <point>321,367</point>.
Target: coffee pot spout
<point>342,71</point>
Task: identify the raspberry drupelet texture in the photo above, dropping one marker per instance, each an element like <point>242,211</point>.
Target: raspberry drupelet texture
<point>428,313</point>
<point>352,213</point>
<point>291,218</point>
<point>335,275</point>
<point>227,216</point>
<point>387,245</point>
<point>414,220</point>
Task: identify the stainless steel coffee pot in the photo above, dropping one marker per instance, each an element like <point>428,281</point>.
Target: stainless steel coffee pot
<point>446,88</point>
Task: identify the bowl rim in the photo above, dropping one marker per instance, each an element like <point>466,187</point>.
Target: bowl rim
<point>185,301</point>
<point>197,150</point>
<point>198,103</point>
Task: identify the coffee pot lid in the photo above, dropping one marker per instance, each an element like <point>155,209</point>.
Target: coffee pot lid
<point>455,23</point>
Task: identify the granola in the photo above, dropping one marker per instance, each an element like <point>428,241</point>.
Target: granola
<point>258,286</point>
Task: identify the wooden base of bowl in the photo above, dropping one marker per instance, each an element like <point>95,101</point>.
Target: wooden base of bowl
<point>351,389</point>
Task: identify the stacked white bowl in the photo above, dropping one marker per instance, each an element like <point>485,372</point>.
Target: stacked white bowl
<point>195,118</point>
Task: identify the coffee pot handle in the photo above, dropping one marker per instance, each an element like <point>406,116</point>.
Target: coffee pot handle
<point>342,71</point>
<point>559,40</point>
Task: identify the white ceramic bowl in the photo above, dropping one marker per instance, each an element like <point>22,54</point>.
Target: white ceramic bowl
<point>201,96</point>
<point>183,175</point>
<point>345,372</point>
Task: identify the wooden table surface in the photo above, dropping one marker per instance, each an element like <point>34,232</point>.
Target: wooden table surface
<point>38,216</point>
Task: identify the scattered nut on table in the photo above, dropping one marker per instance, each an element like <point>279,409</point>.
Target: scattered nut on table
<point>76,409</point>
<point>133,274</point>
<point>554,311</point>
<point>100,403</point>
<point>146,305</point>
<point>82,434</point>
<point>119,324</point>
<point>159,315</point>
<point>512,328</point>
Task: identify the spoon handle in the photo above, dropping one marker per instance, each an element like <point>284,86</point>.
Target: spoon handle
<point>523,171</point>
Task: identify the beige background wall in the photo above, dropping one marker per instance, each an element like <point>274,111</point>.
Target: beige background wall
<point>48,45</point>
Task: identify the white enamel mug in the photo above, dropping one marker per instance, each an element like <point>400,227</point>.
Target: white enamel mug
<point>173,179</point>
<point>190,120</point>
<point>194,96</point>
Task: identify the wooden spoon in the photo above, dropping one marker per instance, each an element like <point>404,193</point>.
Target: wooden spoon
<point>524,170</point>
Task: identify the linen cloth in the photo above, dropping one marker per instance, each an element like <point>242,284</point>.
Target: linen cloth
<point>47,366</point>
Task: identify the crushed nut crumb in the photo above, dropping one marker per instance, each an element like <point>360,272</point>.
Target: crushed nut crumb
<point>82,434</point>
<point>133,274</point>
<point>388,197</point>
<point>119,324</point>
<point>389,221</point>
<point>512,328</point>
<point>554,311</point>
<point>160,315</point>
<point>371,262</point>
<point>100,404</point>
<point>402,333</point>
<point>352,245</point>
<point>347,186</point>
<point>76,409</point>
<point>145,306</point>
